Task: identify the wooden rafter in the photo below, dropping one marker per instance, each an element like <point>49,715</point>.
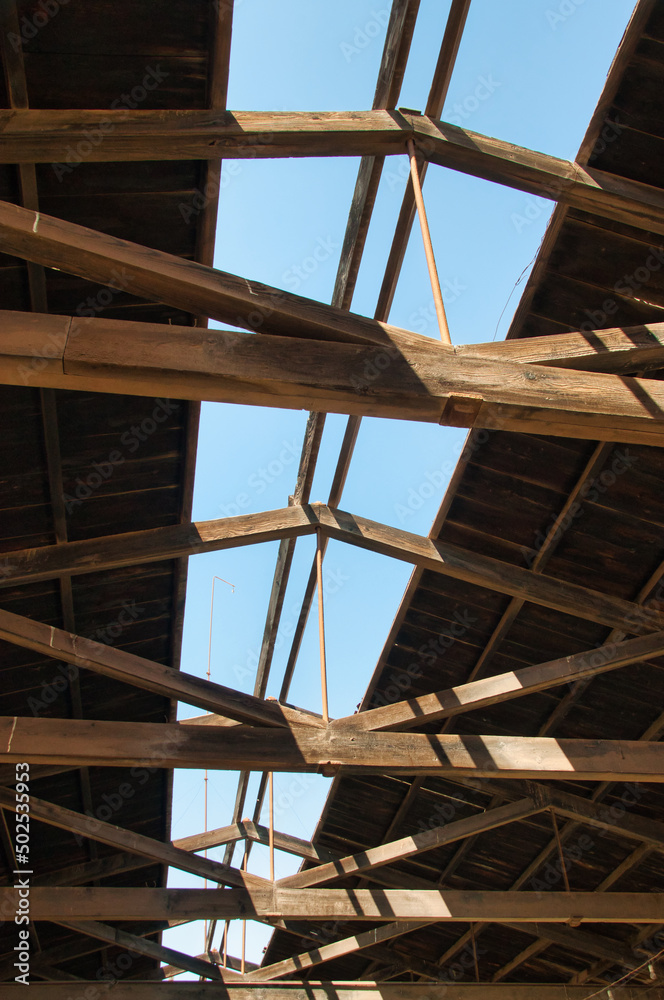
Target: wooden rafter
<point>413,378</point>
<point>46,136</point>
<point>343,904</point>
<point>148,675</point>
<point>306,749</point>
<point>330,991</point>
<point>128,840</point>
<point>426,553</point>
<point>505,687</point>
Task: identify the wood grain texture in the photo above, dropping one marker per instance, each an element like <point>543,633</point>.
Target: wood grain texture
<point>340,904</point>
<point>148,745</point>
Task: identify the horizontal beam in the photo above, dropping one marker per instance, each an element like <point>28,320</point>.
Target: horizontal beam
<point>65,137</point>
<point>410,378</point>
<point>243,748</point>
<point>119,990</point>
<point>505,687</point>
<point>154,544</point>
<point>148,675</point>
<point>91,903</point>
<point>128,840</point>
<point>408,847</point>
<point>426,553</point>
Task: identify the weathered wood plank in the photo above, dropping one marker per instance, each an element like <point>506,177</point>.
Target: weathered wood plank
<point>128,840</point>
<point>412,378</point>
<point>148,675</point>
<point>341,904</point>
<point>408,847</point>
<point>119,990</point>
<point>449,560</point>
<point>141,946</point>
<point>305,749</point>
<point>505,687</point>
<point>616,350</point>
<point>485,571</point>
<point>154,544</point>
<point>185,284</point>
<point>48,136</point>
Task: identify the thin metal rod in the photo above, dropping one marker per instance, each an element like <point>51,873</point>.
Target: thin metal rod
<point>428,247</point>
<point>245,863</point>
<point>563,869</point>
<point>321,623</point>
<point>271,779</point>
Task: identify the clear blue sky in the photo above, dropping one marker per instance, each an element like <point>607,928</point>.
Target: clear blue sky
<point>540,66</point>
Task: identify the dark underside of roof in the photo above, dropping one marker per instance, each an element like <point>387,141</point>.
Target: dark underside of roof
<point>78,465</point>
<point>504,500</point>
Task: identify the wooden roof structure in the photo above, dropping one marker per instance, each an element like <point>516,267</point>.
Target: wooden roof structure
<point>507,754</point>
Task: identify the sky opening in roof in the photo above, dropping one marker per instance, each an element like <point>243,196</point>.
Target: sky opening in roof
<point>528,72</point>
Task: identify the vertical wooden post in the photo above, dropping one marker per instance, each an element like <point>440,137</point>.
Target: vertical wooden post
<point>225,947</point>
<point>321,623</point>
<point>428,247</point>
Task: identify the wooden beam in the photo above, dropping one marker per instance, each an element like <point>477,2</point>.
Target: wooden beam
<point>304,749</point>
<point>128,840</point>
<point>485,571</point>
<point>148,675</point>
<point>247,830</point>
<point>334,950</point>
<point>571,184</point>
<point>426,553</point>
<point>53,136</point>
<point>505,687</point>
<point>617,350</point>
<point>119,990</point>
<point>168,542</point>
<point>412,378</point>
<point>185,284</point>
<point>341,904</point>
<point>407,847</point>
<point>141,946</point>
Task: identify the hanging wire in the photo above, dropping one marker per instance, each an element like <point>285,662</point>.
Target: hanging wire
<point>628,975</point>
<point>516,285</point>
<point>209,663</point>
